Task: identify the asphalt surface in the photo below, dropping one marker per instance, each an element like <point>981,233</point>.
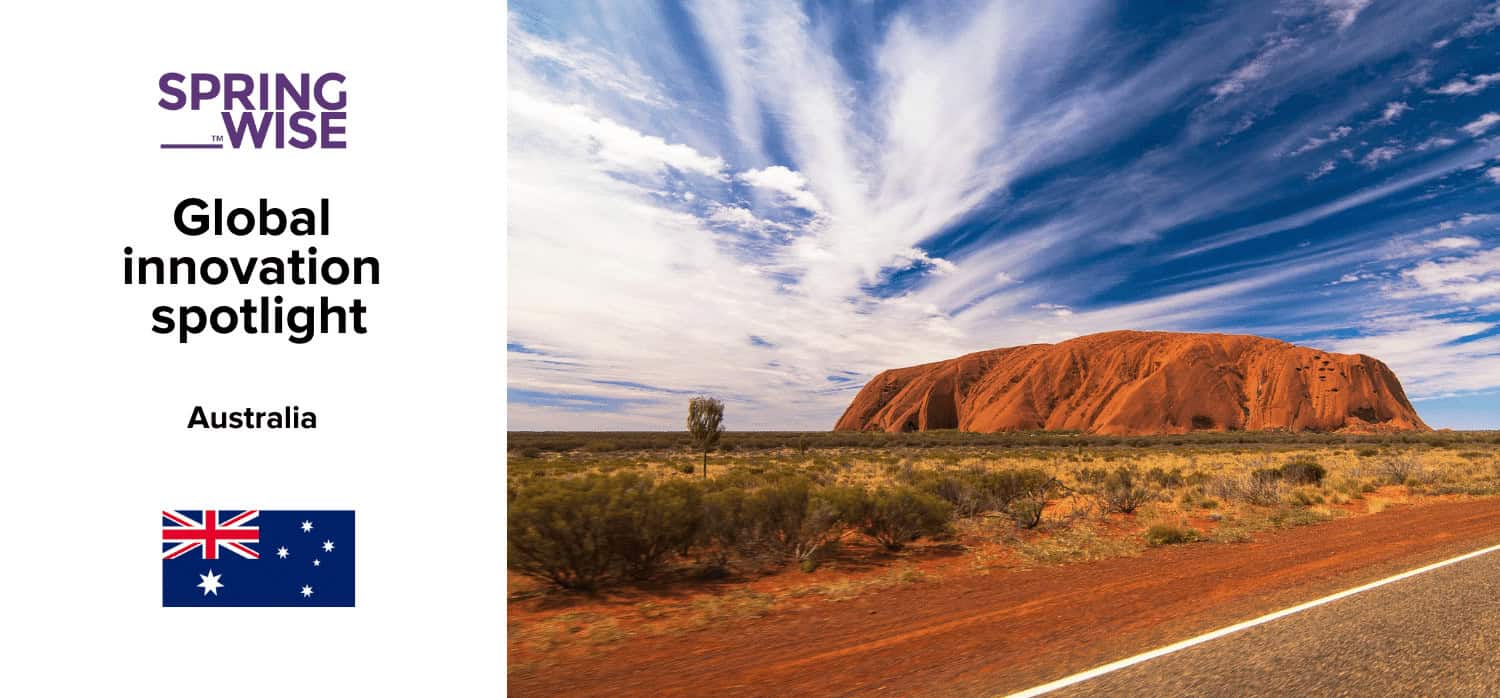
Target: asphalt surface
<point>1435,634</point>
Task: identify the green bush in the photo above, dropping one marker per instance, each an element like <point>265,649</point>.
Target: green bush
<point>1120,490</point>
<point>1017,492</point>
<point>959,491</point>
<point>648,521</point>
<point>725,529</point>
<point>578,532</point>
<point>1003,488</point>
<point>559,531</point>
<point>1165,479</point>
<point>1266,474</point>
<point>1303,471</point>
<point>896,516</point>
<point>1167,534</point>
<point>1027,513</point>
<point>787,518</point>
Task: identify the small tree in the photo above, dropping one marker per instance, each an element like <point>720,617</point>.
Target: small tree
<point>705,422</point>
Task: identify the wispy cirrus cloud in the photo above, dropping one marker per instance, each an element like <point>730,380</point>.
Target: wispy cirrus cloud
<point>747,202</point>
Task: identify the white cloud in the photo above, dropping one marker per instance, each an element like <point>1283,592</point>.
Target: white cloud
<point>1393,111</point>
<point>1483,20</point>
<point>1432,143</point>
<point>581,61</point>
<point>617,146</point>
<point>1453,243</point>
<point>913,256</point>
<point>1343,12</point>
<point>1480,125</point>
<point>1256,69</point>
<point>741,218</point>
<point>1323,169</point>
<point>1421,72</point>
<point>1475,277</point>
<point>1384,153</point>
<point>1494,174</point>
<point>1350,278</point>
<point>1320,141</point>
<point>1055,310</point>
<point>1460,86</point>
<point>787,182</point>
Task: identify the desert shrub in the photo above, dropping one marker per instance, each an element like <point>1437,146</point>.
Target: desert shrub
<point>1022,494</point>
<point>788,518</point>
<point>1400,468</point>
<point>1267,474</point>
<point>1303,471</point>
<point>686,468</point>
<point>559,531</point>
<point>1195,500</point>
<point>1121,490</point>
<point>1027,513</point>
<point>1168,534</point>
<point>1367,452</point>
<point>576,532</point>
<point>902,471</point>
<point>1262,487</point>
<point>959,491</point>
<point>1165,479</point>
<point>648,521</point>
<point>1302,498</point>
<point>895,516</point>
<point>725,528</point>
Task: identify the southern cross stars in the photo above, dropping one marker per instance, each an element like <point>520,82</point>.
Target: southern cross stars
<point>306,591</point>
<point>306,526</point>
<point>317,562</point>
<point>327,546</point>
<point>210,583</point>
<point>281,552</point>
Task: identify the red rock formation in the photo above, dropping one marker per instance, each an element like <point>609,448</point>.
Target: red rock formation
<point>1139,383</point>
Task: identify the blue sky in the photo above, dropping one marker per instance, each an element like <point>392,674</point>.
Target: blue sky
<point>771,205</point>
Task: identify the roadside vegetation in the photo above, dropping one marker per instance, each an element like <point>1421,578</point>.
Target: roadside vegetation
<point>633,515</point>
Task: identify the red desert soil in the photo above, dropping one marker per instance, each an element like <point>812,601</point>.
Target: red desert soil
<point>972,635</point>
<point>1131,382</point>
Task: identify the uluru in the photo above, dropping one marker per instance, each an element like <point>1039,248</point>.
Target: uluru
<point>1130,382</point>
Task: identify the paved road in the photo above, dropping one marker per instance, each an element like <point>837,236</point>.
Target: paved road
<point>1434,634</point>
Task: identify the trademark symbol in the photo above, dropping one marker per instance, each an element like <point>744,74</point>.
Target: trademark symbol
<point>217,138</point>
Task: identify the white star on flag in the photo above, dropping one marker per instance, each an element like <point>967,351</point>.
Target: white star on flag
<point>210,583</point>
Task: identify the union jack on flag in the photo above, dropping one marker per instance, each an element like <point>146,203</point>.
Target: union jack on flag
<point>257,557</point>
<point>208,533</point>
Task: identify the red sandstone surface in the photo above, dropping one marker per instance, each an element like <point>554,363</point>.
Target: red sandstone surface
<point>1130,382</point>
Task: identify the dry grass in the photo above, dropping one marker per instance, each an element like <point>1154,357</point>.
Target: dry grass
<point>1078,543</point>
<point>1214,496</point>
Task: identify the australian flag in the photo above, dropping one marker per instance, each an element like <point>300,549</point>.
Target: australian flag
<point>219,557</point>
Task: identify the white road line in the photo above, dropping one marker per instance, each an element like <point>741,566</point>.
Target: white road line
<point>1190,642</point>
